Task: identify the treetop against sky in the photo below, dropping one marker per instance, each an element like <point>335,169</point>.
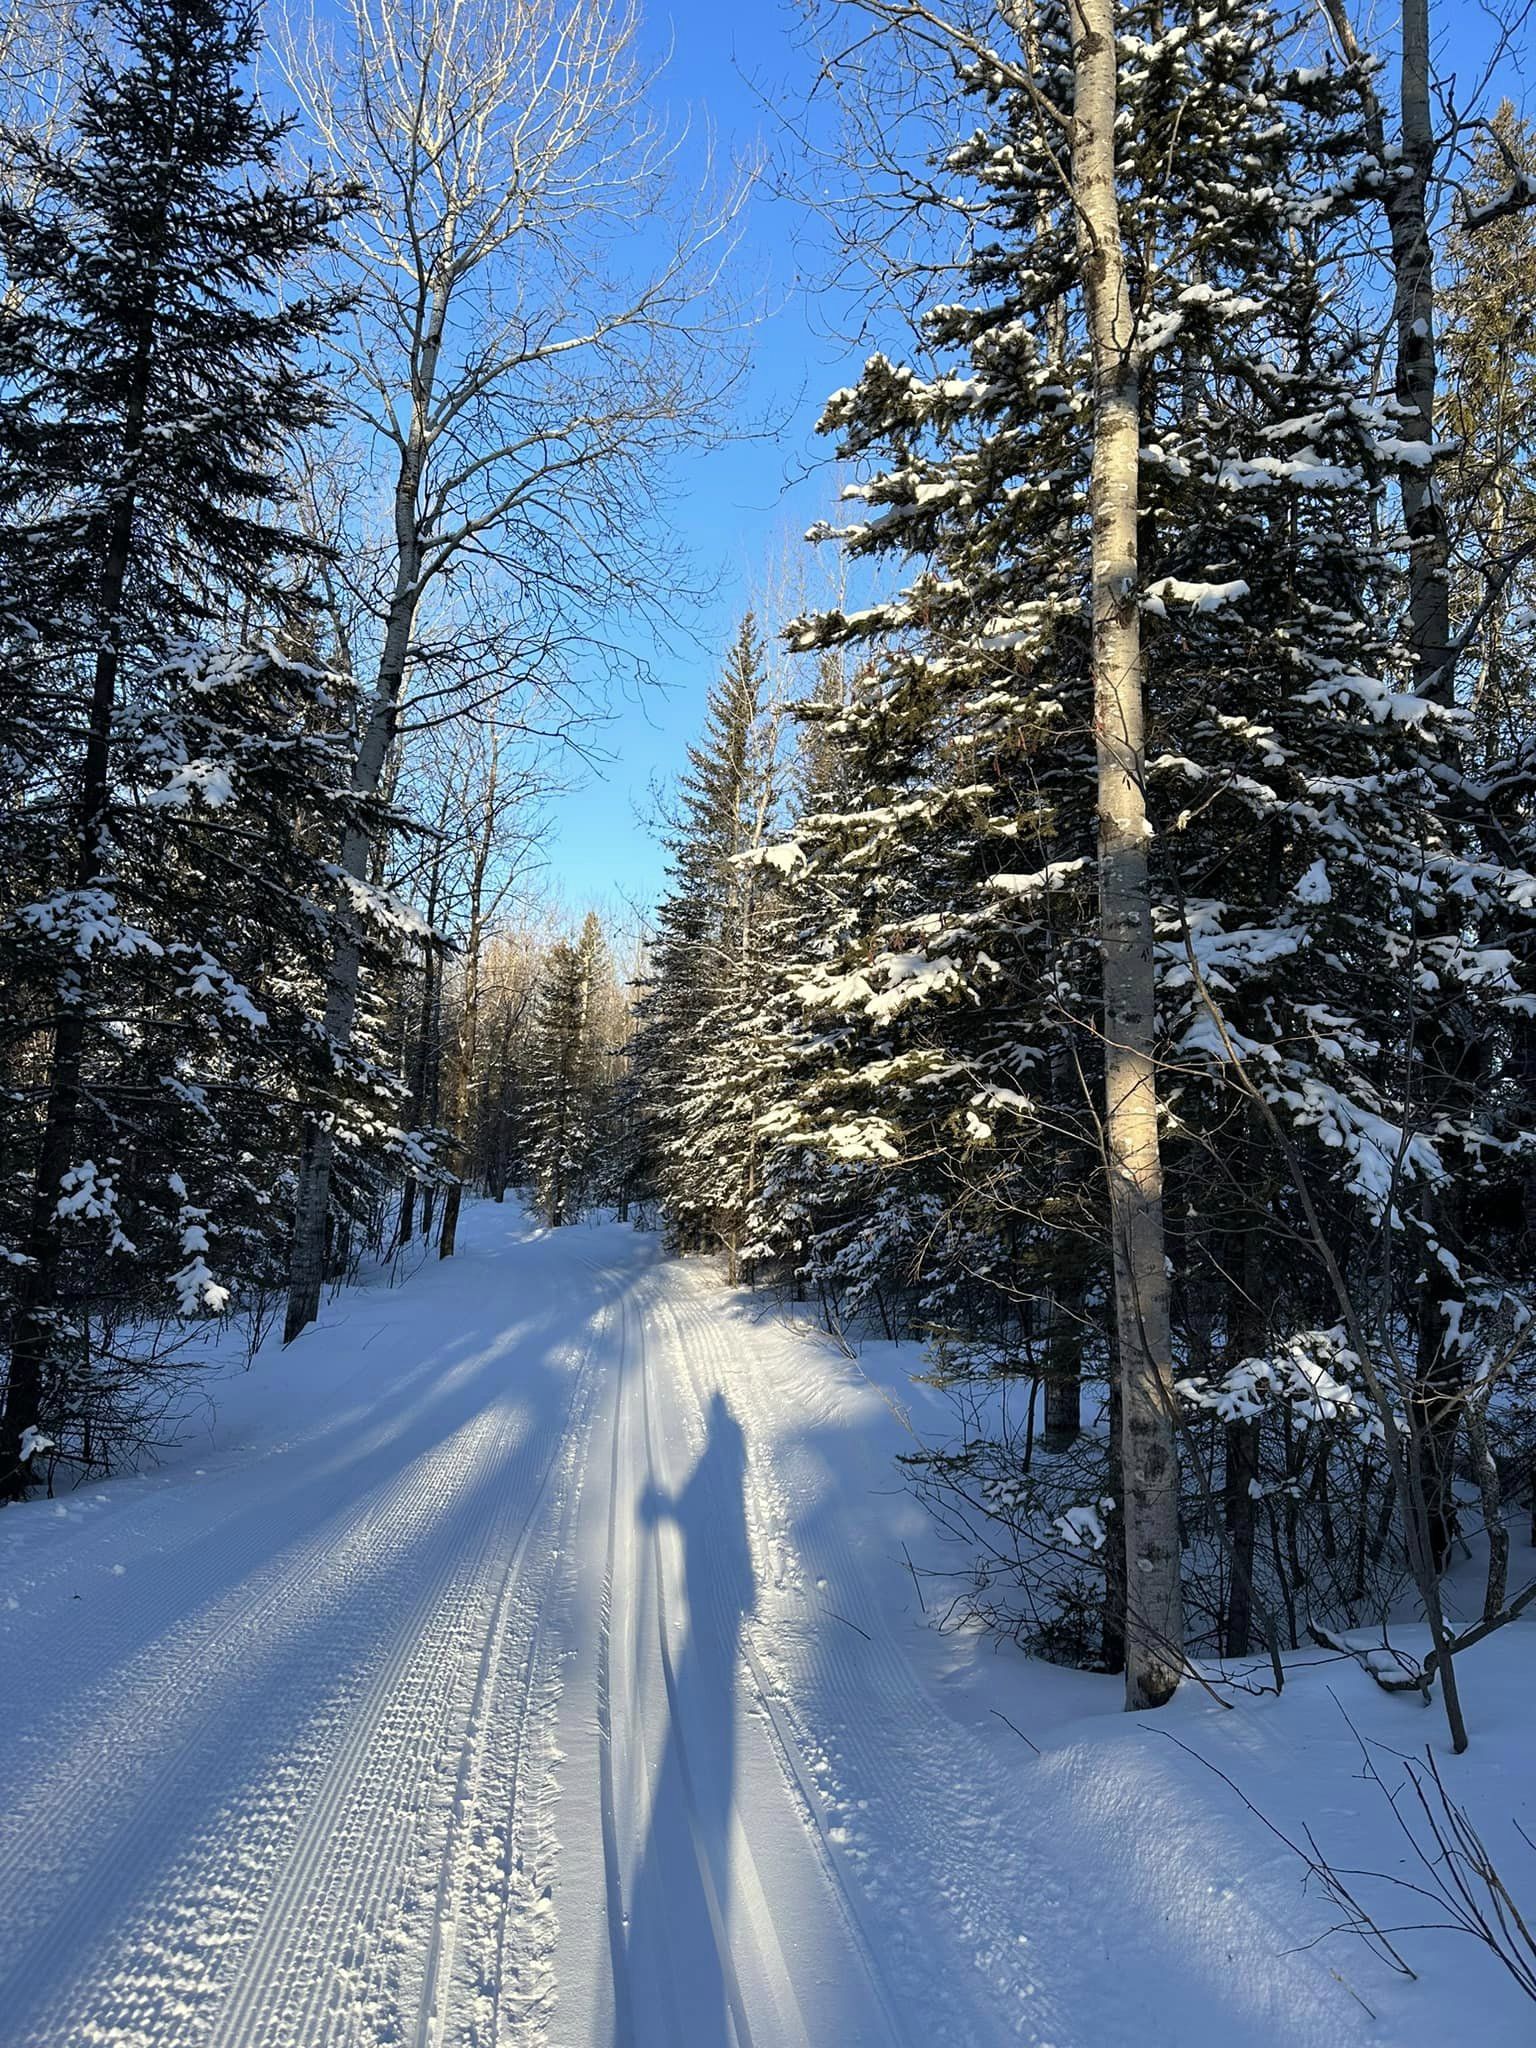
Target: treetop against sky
<point>735,84</point>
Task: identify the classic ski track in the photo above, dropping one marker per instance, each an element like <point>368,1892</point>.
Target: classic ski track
<point>379,1867</point>
<point>530,1704</point>
<point>613,1881</point>
<point>207,1668</point>
<point>702,1344</point>
<point>432,2021</point>
<point>538,1689</point>
<point>207,1575</point>
<point>504,1964</point>
<point>775,1721</point>
<point>166,1973</point>
<point>191,1659</point>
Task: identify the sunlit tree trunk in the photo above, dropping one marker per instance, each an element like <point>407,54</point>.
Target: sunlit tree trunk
<point>1148,1454</point>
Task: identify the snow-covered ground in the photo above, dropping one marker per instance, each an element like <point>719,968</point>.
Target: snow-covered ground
<point>530,1655</point>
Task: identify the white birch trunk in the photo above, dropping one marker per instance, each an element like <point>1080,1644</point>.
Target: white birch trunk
<point>1154,1639</point>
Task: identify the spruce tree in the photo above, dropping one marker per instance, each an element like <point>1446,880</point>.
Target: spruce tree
<point>694,1056</point>
<point>155,351</point>
<point>1300,857</point>
<point>573,1079</point>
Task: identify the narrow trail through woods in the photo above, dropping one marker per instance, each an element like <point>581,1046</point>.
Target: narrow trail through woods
<point>320,1754</point>
<point>530,1658</point>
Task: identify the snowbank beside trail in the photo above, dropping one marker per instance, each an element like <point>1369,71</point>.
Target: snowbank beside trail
<point>1137,1805</point>
<point>531,1657</point>
<point>1162,1817</point>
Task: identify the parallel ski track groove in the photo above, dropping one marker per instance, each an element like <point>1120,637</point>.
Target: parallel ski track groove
<point>166,1975</point>
<point>437,1976</point>
<point>613,1893</point>
<point>518,1791</point>
<point>375,1753</point>
<point>264,1622</point>
<point>378,1867</point>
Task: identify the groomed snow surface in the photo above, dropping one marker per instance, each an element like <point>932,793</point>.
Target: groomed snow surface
<point>529,1655</point>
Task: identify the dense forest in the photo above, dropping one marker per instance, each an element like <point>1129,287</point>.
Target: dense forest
<point>1098,943</point>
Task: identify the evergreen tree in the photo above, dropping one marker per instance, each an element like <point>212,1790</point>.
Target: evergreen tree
<point>570,1112</point>
<point>694,1053</point>
<point>153,349</point>
<point>1301,861</point>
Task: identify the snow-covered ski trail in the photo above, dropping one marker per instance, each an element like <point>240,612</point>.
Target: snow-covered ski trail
<point>270,1791</point>
<point>296,1749</point>
<point>529,1659</point>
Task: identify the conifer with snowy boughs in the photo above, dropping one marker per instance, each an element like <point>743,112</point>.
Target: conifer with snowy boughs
<point>695,1055</point>
<point>559,1136</point>
<point>573,1080</point>
<point>173,788</point>
<point>1299,790</point>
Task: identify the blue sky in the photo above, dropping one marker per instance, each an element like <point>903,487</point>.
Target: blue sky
<point>741,508</point>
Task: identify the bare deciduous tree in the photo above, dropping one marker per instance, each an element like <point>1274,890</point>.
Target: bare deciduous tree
<point>521,382</point>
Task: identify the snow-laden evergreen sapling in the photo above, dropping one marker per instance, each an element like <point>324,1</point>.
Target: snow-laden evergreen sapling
<point>161,914</point>
<point>696,1058</point>
<point>1300,851</point>
<point>572,1075</point>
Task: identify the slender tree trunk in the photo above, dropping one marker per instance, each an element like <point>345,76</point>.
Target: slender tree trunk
<point>306,1272</point>
<point>307,1264</point>
<point>1435,1405</point>
<point>447,1236</point>
<point>418,1083</point>
<point>433,1103</point>
<point>1241,1514</point>
<point>38,1292</point>
<point>1245,1338</point>
<point>1154,1630</point>
<point>467,1050</point>
<point>1112,1637</point>
<point>1442,1302</point>
<point>1407,198</point>
<point>501,1162</point>
<point>1064,1375</point>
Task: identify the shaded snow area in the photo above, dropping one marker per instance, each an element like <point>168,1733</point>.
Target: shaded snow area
<point>529,1655</point>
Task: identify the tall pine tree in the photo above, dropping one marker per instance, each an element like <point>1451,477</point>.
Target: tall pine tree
<point>695,1055</point>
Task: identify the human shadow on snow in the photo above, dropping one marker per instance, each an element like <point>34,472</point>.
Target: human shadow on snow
<point>677,1949</point>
